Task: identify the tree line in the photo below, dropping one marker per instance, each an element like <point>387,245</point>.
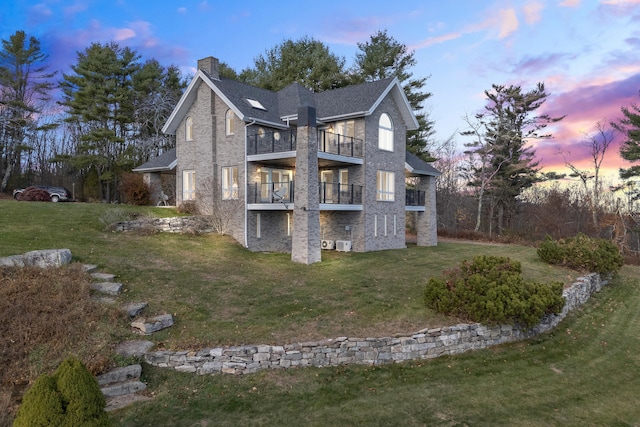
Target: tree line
<point>104,117</point>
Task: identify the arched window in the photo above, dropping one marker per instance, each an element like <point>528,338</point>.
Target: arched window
<point>229,122</point>
<point>188,129</point>
<point>385,133</point>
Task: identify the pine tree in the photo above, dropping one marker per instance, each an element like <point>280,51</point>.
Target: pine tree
<point>25,87</point>
<point>382,57</point>
<point>99,97</point>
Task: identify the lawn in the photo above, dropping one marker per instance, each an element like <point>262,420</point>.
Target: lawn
<point>584,373</point>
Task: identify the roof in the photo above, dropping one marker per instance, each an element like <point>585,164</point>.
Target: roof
<point>281,107</point>
<point>166,161</point>
<point>416,166</point>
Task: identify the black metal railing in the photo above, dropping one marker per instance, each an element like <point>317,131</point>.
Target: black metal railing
<point>414,197</point>
<point>347,194</point>
<point>266,142</point>
<point>334,143</point>
<point>270,192</point>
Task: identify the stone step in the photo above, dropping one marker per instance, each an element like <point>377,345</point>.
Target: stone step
<point>119,402</point>
<point>134,348</point>
<point>89,268</point>
<point>110,288</point>
<point>103,276</point>
<point>133,308</point>
<point>125,373</point>
<point>153,324</point>
<point>124,388</point>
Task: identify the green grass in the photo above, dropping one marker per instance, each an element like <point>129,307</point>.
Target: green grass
<point>219,293</point>
<point>583,373</point>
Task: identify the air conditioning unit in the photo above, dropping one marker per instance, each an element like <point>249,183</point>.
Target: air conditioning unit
<point>327,244</point>
<point>343,245</point>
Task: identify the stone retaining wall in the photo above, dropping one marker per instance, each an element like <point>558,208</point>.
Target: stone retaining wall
<point>425,344</point>
<point>178,224</point>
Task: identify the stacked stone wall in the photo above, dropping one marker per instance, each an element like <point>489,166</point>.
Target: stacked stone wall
<point>424,344</point>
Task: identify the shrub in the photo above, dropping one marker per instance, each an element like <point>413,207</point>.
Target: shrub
<point>34,194</point>
<point>134,189</point>
<point>491,290</point>
<point>582,253</point>
<point>71,397</point>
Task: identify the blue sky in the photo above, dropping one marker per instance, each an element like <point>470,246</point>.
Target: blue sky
<point>585,51</point>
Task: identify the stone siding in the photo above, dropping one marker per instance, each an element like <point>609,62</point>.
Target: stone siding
<point>425,344</point>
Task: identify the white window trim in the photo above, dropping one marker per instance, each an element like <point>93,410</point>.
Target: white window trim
<point>386,134</point>
<point>188,129</point>
<point>230,183</point>
<point>188,185</point>
<point>229,123</point>
<point>385,186</point>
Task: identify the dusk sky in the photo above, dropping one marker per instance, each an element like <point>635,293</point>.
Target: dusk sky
<point>584,51</point>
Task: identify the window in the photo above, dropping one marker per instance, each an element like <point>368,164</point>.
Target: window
<point>188,185</point>
<point>275,182</point>
<point>188,129</point>
<point>326,187</point>
<point>256,104</point>
<point>230,183</point>
<point>229,122</point>
<point>385,133</point>
<point>385,186</point>
<point>346,129</point>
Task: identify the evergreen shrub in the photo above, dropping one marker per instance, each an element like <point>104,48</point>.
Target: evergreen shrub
<point>491,290</point>
<point>70,397</point>
<point>582,253</point>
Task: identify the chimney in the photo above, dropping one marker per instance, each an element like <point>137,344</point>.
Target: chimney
<point>211,66</point>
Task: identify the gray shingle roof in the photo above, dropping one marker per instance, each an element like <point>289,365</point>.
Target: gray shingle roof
<point>164,162</point>
<point>416,166</point>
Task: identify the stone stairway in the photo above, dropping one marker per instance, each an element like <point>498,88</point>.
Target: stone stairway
<point>121,386</point>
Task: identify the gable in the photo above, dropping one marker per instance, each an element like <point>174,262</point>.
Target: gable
<point>275,109</point>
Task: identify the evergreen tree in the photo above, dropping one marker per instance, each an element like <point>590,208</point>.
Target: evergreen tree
<point>629,126</point>
<point>100,100</point>
<point>306,61</point>
<point>382,57</point>
<point>510,121</point>
<point>25,87</point>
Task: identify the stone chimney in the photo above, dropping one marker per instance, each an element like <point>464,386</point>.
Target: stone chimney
<point>211,66</point>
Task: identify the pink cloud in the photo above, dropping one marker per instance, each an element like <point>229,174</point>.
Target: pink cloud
<point>536,64</point>
<point>533,12</point>
<point>123,34</point>
<point>570,3</point>
<point>584,107</point>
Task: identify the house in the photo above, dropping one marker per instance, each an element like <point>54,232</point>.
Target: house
<point>296,171</point>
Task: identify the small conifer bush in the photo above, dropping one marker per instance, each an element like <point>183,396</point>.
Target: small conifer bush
<point>491,290</point>
<point>68,398</point>
<point>582,253</point>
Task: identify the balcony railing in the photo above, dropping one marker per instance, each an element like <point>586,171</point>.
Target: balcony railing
<point>270,192</point>
<point>283,192</point>
<point>281,141</point>
<point>414,197</point>
<point>346,194</point>
<point>339,144</point>
<point>271,142</point>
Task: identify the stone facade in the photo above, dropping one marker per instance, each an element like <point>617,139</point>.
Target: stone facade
<point>263,225</point>
<point>424,344</point>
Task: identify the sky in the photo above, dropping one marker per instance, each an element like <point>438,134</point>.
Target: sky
<point>584,51</point>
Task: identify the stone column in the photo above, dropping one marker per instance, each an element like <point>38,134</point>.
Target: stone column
<point>305,239</point>
<point>426,225</point>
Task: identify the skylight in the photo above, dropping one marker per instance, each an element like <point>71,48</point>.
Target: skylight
<point>256,104</point>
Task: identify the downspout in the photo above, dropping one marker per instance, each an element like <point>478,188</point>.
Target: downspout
<point>246,186</point>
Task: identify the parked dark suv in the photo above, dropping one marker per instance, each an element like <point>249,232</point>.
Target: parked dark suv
<point>57,194</point>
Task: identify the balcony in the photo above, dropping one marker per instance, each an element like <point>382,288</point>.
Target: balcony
<point>282,193</point>
<point>342,194</point>
<point>414,197</point>
<point>273,142</point>
<point>340,145</point>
